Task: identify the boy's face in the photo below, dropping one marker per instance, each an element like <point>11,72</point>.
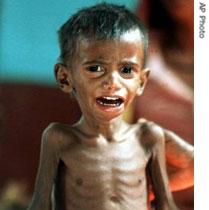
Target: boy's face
<point>106,75</point>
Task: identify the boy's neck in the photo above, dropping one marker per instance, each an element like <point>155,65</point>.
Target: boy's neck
<point>113,130</point>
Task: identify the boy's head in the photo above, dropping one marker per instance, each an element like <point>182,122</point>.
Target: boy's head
<point>102,60</point>
<point>101,22</point>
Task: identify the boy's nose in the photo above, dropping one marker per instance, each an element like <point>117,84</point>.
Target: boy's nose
<point>112,82</point>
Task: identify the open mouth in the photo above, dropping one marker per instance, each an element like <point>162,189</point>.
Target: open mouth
<point>110,101</point>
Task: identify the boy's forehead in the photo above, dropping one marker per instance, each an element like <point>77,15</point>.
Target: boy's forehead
<point>128,46</point>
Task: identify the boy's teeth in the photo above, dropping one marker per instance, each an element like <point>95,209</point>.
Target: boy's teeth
<point>108,104</point>
<point>109,98</point>
<point>109,101</point>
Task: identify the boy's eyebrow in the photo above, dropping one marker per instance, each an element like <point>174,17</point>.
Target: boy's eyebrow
<point>97,61</point>
<point>129,63</point>
<point>132,61</point>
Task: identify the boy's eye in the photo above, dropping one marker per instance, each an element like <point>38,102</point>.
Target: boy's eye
<point>95,68</point>
<point>127,72</point>
<point>95,71</point>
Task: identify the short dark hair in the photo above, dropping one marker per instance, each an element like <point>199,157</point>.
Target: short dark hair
<point>103,21</point>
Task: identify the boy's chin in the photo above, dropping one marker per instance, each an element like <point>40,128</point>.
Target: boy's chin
<point>109,117</point>
<point>110,112</point>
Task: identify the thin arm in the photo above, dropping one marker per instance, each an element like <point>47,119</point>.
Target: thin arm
<point>179,161</point>
<point>46,173</point>
<point>158,174</point>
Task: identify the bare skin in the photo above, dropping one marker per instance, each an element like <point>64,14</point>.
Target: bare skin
<point>101,162</point>
<point>98,173</point>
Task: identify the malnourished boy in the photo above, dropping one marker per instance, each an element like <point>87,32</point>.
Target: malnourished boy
<point>101,162</point>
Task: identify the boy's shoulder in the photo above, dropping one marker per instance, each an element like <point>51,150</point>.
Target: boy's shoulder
<point>58,134</point>
<point>150,132</point>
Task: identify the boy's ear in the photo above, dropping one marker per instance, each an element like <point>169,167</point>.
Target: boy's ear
<point>143,80</point>
<point>63,77</point>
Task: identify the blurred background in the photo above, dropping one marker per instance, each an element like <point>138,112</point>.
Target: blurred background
<point>30,99</point>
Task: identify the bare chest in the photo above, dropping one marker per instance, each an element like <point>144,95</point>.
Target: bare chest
<point>115,172</point>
